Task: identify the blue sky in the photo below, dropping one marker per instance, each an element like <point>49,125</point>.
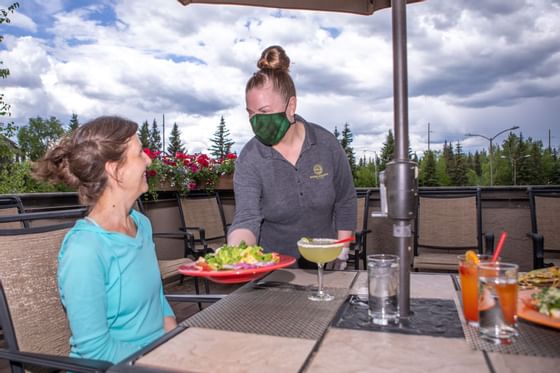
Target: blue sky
<point>474,66</point>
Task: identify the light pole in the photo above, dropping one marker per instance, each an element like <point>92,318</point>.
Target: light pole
<point>513,161</point>
<point>491,139</point>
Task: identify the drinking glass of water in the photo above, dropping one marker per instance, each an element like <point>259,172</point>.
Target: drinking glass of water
<point>383,286</point>
<point>497,304</point>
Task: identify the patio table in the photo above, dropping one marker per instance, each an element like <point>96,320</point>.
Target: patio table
<point>258,329</point>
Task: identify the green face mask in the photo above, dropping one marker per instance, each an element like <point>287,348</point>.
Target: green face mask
<point>270,128</point>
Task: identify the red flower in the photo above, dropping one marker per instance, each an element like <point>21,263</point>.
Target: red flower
<point>231,156</point>
<point>203,160</point>
<point>180,155</point>
<point>152,154</point>
<point>151,173</point>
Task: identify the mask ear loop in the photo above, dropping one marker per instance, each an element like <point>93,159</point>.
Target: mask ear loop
<point>286,108</point>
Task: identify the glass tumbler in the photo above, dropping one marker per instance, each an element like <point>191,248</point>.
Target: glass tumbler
<point>383,285</point>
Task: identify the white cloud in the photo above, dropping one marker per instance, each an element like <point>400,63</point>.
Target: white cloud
<point>473,68</point>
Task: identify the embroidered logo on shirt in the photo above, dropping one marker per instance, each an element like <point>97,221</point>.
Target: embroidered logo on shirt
<point>318,172</point>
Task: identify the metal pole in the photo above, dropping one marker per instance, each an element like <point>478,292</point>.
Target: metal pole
<point>401,227</point>
<point>491,161</point>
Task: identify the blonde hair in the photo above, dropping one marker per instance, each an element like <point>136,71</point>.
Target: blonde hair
<point>274,66</point>
<point>78,160</point>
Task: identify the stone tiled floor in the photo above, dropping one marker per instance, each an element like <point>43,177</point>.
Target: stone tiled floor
<point>182,309</point>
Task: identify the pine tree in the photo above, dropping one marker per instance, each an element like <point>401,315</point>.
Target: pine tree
<point>448,161</point>
<point>155,137</point>
<point>73,124</point>
<point>477,164</point>
<point>346,140</point>
<point>388,150</point>
<point>175,143</point>
<point>145,135</point>
<point>222,142</point>
<point>336,134</point>
<point>428,175</point>
<point>458,172</point>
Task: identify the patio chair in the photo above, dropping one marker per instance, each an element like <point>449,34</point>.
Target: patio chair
<point>169,268</point>
<point>545,226</point>
<point>358,247</point>
<point>448,224</point>
<point>36,331</point>
<point>12,205</point>
<point>203,217</point>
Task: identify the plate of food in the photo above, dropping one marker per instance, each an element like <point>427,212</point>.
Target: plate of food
<point>236,264</point>
<point>538,278</point>
<point>541,306</point>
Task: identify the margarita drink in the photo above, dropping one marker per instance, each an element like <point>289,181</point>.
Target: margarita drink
<point>320,251</point>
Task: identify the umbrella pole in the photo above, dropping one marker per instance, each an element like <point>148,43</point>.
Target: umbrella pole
<point>402,172</point>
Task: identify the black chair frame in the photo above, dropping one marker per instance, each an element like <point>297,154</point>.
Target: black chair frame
<point>536,237</point>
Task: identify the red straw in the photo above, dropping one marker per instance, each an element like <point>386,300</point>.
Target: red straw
<point>499,247</point>
<point>347,239</point>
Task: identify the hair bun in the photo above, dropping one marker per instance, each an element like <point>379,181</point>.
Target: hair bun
<point>274,58</point>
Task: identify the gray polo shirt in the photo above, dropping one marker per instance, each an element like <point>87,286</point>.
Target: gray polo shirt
<point>281,203</point>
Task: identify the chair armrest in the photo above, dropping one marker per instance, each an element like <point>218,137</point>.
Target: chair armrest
<point>56,362</point>
<point>206,298</point>
<point>488,243</point>
<point>538,249</point>
<point>182,235</point>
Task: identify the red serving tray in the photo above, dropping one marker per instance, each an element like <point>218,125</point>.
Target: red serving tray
<point>236,276</point>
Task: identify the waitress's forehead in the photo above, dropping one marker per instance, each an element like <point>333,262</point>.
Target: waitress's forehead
<point>265,95</point>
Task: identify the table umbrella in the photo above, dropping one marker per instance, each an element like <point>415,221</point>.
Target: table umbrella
<point>400,174</point>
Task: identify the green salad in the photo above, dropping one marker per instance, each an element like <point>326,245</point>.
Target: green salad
<point>547,301</point>
<point>236,257</point>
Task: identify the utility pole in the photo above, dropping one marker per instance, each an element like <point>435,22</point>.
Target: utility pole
<point>429,131</point>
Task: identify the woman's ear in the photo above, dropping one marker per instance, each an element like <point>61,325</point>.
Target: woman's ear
<point>111,170</point>
<point>291,110</point>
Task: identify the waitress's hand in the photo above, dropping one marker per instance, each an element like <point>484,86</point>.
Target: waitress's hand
<point>340,262</point>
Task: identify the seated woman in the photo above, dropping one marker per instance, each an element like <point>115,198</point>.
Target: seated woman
<point>108,276</point>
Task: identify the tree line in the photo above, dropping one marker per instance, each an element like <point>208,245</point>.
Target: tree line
<point>39,134</point>
<point>517,161</point>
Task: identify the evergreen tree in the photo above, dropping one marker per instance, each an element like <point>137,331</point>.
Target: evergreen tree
<point>387,151</point>
<point>221,141</point>
<point>336,133</point>
<point>448,160</point>
<point>346,140</point>
<point>554,178</point>
<point>477,164</point>
<point>155,137</point>
<point>458,172</point>
<point>145,134</point>
<point>73,124</point>
<point>175,143</point>
<point>428,175</point>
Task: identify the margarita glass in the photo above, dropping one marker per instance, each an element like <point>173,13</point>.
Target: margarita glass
<point>320,251</point>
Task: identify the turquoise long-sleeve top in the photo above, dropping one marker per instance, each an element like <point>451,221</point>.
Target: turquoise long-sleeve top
<point>110,285</point>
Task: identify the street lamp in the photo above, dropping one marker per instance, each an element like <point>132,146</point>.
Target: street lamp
<point>491,139</point>
<point>513,161</point>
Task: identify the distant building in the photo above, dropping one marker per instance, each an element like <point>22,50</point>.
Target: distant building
<point>9,151</point>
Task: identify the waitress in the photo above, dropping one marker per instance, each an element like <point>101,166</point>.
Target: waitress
<point>293,178</point>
